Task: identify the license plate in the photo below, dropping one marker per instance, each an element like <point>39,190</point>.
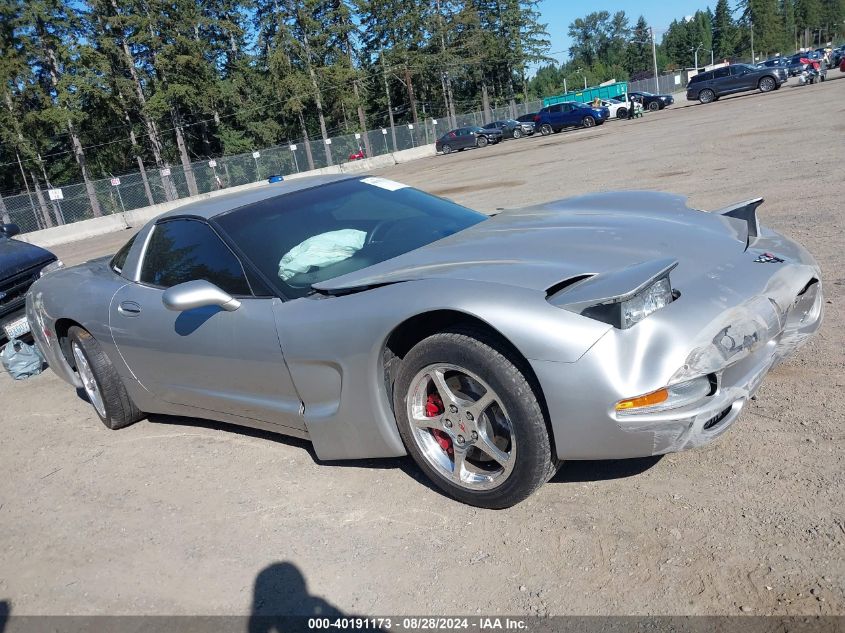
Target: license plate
<point>16,328</point>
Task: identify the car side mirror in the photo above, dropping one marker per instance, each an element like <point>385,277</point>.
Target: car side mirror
<point>198,294</point>
<point>9,230</point>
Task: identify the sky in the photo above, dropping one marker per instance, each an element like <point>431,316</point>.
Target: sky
<point>658,13</point>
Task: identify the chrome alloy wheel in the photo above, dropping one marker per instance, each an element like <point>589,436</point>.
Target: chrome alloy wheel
<point>89,383</point>
<point>461,427</point>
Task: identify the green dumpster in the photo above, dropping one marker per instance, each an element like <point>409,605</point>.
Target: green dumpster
<point>610,91</point>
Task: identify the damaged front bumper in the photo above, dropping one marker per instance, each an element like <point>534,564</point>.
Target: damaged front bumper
<point>735,351</point>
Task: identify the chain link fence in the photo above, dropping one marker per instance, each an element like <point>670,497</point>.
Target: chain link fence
<point>665,84</point>
<point>40,208</point>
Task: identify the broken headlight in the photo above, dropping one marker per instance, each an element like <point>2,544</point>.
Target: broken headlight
<point>657,295</point>
<point>627,312</point>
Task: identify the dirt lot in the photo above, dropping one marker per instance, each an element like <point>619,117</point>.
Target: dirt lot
<point>189,517</point>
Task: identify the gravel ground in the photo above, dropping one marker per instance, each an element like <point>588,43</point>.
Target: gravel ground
<point>176,516</point>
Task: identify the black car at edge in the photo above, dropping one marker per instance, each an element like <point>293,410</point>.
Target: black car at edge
<point>20,265</point>
<point>651,101</point>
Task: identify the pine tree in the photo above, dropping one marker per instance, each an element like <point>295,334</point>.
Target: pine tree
<point>724,31</point>
<point>808,17</point>
<point>764,17</point>
<point>54,28</point>
<point>787,15</point>
<point>638,57</point>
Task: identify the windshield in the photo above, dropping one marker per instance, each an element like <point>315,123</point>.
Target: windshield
<point>317,234</point>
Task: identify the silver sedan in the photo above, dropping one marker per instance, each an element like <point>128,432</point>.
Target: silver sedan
<point>376,320</point>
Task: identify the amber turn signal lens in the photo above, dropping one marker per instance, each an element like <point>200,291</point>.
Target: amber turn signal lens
<point>647,400</point>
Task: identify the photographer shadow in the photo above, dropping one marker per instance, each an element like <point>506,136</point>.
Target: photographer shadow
<point>281,602</point>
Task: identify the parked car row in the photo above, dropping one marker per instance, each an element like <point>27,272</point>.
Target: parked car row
<point>549,120</point>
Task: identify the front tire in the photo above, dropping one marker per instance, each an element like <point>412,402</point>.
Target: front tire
<point>706,96</point>
<point>101,382</point>
<point>481,141</point>
<point>471,419</point>
<point>517,133</point>
<point>622,113</point>
<point>767,84</point>
<point>588,121</point>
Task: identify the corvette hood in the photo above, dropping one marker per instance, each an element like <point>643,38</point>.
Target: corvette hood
<point>538,247</point>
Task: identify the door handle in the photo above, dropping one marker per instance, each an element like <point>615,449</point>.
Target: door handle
<point>129,308</point>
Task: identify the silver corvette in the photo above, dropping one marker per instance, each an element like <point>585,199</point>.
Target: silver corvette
<point>376,320</point>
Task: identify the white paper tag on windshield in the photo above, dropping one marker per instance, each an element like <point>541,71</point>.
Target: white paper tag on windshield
<point>384,183</point>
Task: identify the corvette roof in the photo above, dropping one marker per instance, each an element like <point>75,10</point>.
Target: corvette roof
<point>210,207</point>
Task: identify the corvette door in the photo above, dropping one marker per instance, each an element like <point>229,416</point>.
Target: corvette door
<point>206,358</point>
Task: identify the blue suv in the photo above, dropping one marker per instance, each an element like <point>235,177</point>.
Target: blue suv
<point>554,118</point>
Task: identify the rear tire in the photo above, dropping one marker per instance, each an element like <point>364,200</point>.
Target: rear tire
<point>101,382</point>
<point>545,129</point>
<point>622,113</point>
<point>467,356</point>
<point>706,96</point>
<point>654,106</point>
<point>481,141</point>
<point>447,149</point>
<point>767,84</point>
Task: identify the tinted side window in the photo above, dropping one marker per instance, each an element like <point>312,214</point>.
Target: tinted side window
<point>186,250</point>
<point>722,72</point>
<point>555,108</point>
<point>119,260</point>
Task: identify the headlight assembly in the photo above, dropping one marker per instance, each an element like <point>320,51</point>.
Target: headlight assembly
<point>657,295</point>
<point>56,265</point>
<point>628,312</point>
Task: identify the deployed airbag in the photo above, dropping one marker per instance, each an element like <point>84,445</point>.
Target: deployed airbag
<point>320,251</point>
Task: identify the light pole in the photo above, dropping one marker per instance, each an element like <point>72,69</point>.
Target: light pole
<point>654,58</point>
<point>751,22</point>
<point>695,51</point>
<point>580,71</point>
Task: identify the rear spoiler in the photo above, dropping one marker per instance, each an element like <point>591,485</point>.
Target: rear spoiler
<point>746,211</point>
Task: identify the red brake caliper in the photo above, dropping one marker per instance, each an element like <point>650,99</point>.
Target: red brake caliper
<point>433,408</point>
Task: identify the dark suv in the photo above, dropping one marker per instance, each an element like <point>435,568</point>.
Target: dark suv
<point>554,118</point>
<point>711,85</point>
<point>20,265</point>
